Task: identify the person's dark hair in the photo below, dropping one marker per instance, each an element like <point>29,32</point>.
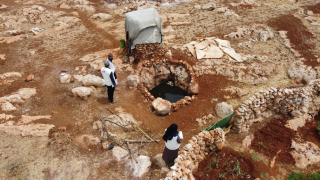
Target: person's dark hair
<point>170,132</point>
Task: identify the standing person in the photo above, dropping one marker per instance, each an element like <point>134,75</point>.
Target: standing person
<point>112,66</point>
<point>172,139</point>
<point>109,80</point>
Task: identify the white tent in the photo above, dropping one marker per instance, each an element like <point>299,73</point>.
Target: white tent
<point>143,27</point>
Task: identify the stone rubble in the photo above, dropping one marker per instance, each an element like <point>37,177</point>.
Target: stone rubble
<point>295,101</point>
<point>257,32</point>
<point>38,14</point>
<point>205,119</point>
<point>18,97</point>
<point>195,151</point>
<point>238,91</point>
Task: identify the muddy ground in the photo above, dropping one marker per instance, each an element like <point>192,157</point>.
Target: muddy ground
<point>45,56</point>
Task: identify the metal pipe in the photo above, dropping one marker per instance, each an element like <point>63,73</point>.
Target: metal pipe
<point>156,67</point>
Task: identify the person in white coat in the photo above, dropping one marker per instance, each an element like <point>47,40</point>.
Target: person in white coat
<point>109,80</point>
<point>112,66</point>
<point>172,140</point>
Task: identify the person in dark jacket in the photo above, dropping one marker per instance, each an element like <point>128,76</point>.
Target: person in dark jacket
<point>172,140</point>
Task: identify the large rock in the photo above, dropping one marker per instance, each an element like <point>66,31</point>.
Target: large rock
<point>92,80</point>
<point>118,153</point>
<point>101,16</point>
<point>26,93</point>
<point>10,75</point>
<point>305,154</point>
<point>301,72</point>
<point>193,88</point>
<point>65,78</point>
<point>82,92</point>
<point>161,106</point>
<point>7,106</point>
<point>133,80</point>
<point>140,168</point>
<point>223,109</point>
<point>209,6</point>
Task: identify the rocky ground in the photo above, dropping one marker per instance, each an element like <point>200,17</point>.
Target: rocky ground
<point>52,99</point>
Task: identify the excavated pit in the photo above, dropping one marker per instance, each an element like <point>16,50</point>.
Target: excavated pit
<point>157,76</point>
<point>168,91</point>
<point>175,82</point>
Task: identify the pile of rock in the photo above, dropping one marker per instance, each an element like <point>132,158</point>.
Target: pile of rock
<point>192,153</point>
<point>296,101</point>
<point>18,97</point>
<point>202,121</point>
<point>257,32</point>
<point>38,14</point>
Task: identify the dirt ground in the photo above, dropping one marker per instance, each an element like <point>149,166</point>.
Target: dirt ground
<point>45,56</point>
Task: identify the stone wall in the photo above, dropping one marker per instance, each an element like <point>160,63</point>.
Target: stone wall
<point>192,153</point>
<point>295,101</point>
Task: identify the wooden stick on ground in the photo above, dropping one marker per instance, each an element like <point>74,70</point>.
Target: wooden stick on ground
<point>138,149</point>
<point>117,123</point>
<point>135,159</point>
<point>116,141</point>
<point>140,141</point>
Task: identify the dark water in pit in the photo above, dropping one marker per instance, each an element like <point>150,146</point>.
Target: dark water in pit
<point>168,92</point>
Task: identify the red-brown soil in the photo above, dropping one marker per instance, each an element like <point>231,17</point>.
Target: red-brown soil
<point>222,165</point>
<point>275,137</point>
<point>315,8</point>
<point>309,131</point>
<point>299,36</point>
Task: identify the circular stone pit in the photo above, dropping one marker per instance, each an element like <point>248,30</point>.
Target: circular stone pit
<point>147,76</point>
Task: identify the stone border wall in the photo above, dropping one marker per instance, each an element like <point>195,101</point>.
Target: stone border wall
<point>294,101</point>
<point>192,153</point>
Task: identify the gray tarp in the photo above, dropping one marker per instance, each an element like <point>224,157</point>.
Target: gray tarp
<point>143,27</point>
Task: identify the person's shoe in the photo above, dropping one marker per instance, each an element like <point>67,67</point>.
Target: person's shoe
<point>114,101</point>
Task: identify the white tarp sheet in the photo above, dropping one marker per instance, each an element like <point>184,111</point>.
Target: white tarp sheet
<point>143,27</point>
